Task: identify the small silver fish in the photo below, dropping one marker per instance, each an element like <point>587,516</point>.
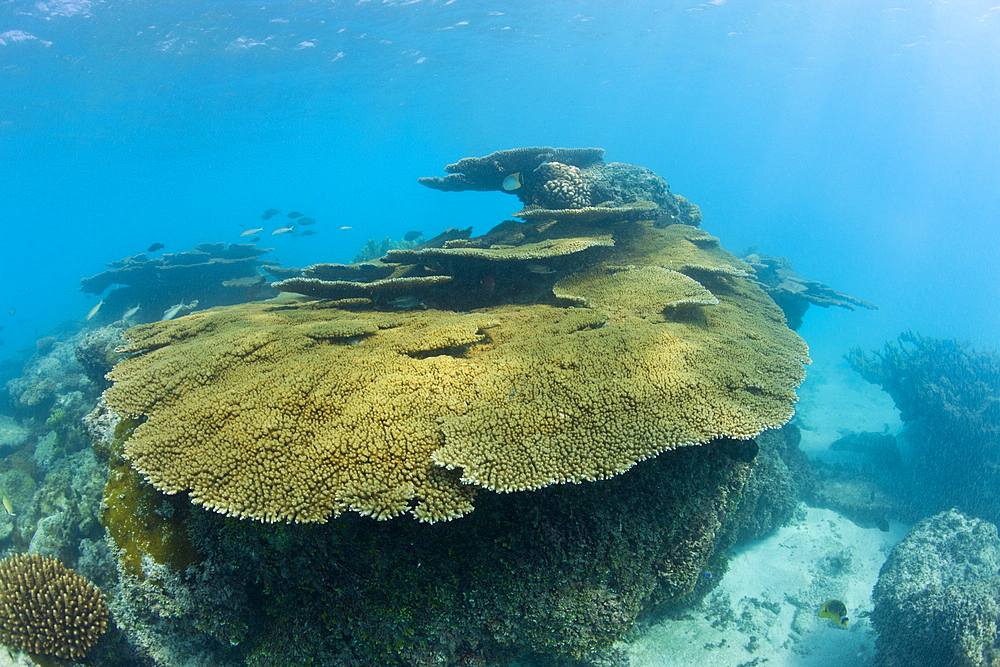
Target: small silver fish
<point>93,311</point>
<point>282,230</point>
<point>130,312</point>
<point>540,269</point>
<point>171,312</point>
<point>347,227</point>
<point>405,302</point>
<point>251,232</point>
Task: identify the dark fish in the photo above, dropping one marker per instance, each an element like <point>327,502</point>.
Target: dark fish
<point>412,236</point>
<point>269,213</point>
<point>307,232</point>
<point>294,214</point>
<point>155,247</point>
<point>882,524</point>
<point>307,221</point>
<point>744,451</point>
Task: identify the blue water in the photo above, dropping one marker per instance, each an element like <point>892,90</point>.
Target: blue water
<point>859,138</point>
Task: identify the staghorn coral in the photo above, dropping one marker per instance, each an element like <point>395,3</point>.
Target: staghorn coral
<point>416,410</point>
<point>948,396</point>
<point>47,608</point>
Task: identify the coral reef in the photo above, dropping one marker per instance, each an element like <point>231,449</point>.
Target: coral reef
<point>563,180</point>
<point>212,274</point>
<point>488,172</point>
<point>562,572</point>
<point>413,411</point>
<point>948,396</point>
<point>794,293</point>
<point>937,600</point>
<point>617,350</point>
<point>48,609</point>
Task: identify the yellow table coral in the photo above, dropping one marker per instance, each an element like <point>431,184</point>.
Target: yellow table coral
<point>298,412</point>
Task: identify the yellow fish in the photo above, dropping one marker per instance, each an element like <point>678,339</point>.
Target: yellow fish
<point>7,506</point>
<point>835,610</point>
<point>513,181</point>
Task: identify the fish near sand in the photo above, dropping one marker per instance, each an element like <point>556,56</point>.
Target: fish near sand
<point>269,213</point>
<point>94,310</point>
<point>836,611</point>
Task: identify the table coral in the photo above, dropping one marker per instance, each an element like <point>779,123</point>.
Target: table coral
<point>413,411</point>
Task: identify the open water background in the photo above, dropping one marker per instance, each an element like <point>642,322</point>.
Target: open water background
<point>860,138</point>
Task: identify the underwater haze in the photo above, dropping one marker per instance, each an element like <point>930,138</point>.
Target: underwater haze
<point>860,139</point>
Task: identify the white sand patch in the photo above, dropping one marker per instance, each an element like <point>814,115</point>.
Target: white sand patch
<point>834,400</point>
<point>765,609</point>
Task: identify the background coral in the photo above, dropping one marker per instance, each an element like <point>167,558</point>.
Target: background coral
<point>211,274</point>
<point>948,395</point>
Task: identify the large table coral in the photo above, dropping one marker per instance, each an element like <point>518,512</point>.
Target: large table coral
<point>299,411</point>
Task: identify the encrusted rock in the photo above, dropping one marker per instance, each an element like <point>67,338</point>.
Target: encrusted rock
<point>937,600</point>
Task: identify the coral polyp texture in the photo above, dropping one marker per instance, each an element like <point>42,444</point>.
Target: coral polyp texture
<point>48,609</point>
<point>524,370</point>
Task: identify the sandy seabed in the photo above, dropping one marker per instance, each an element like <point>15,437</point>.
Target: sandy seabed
<point>766,608</point>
